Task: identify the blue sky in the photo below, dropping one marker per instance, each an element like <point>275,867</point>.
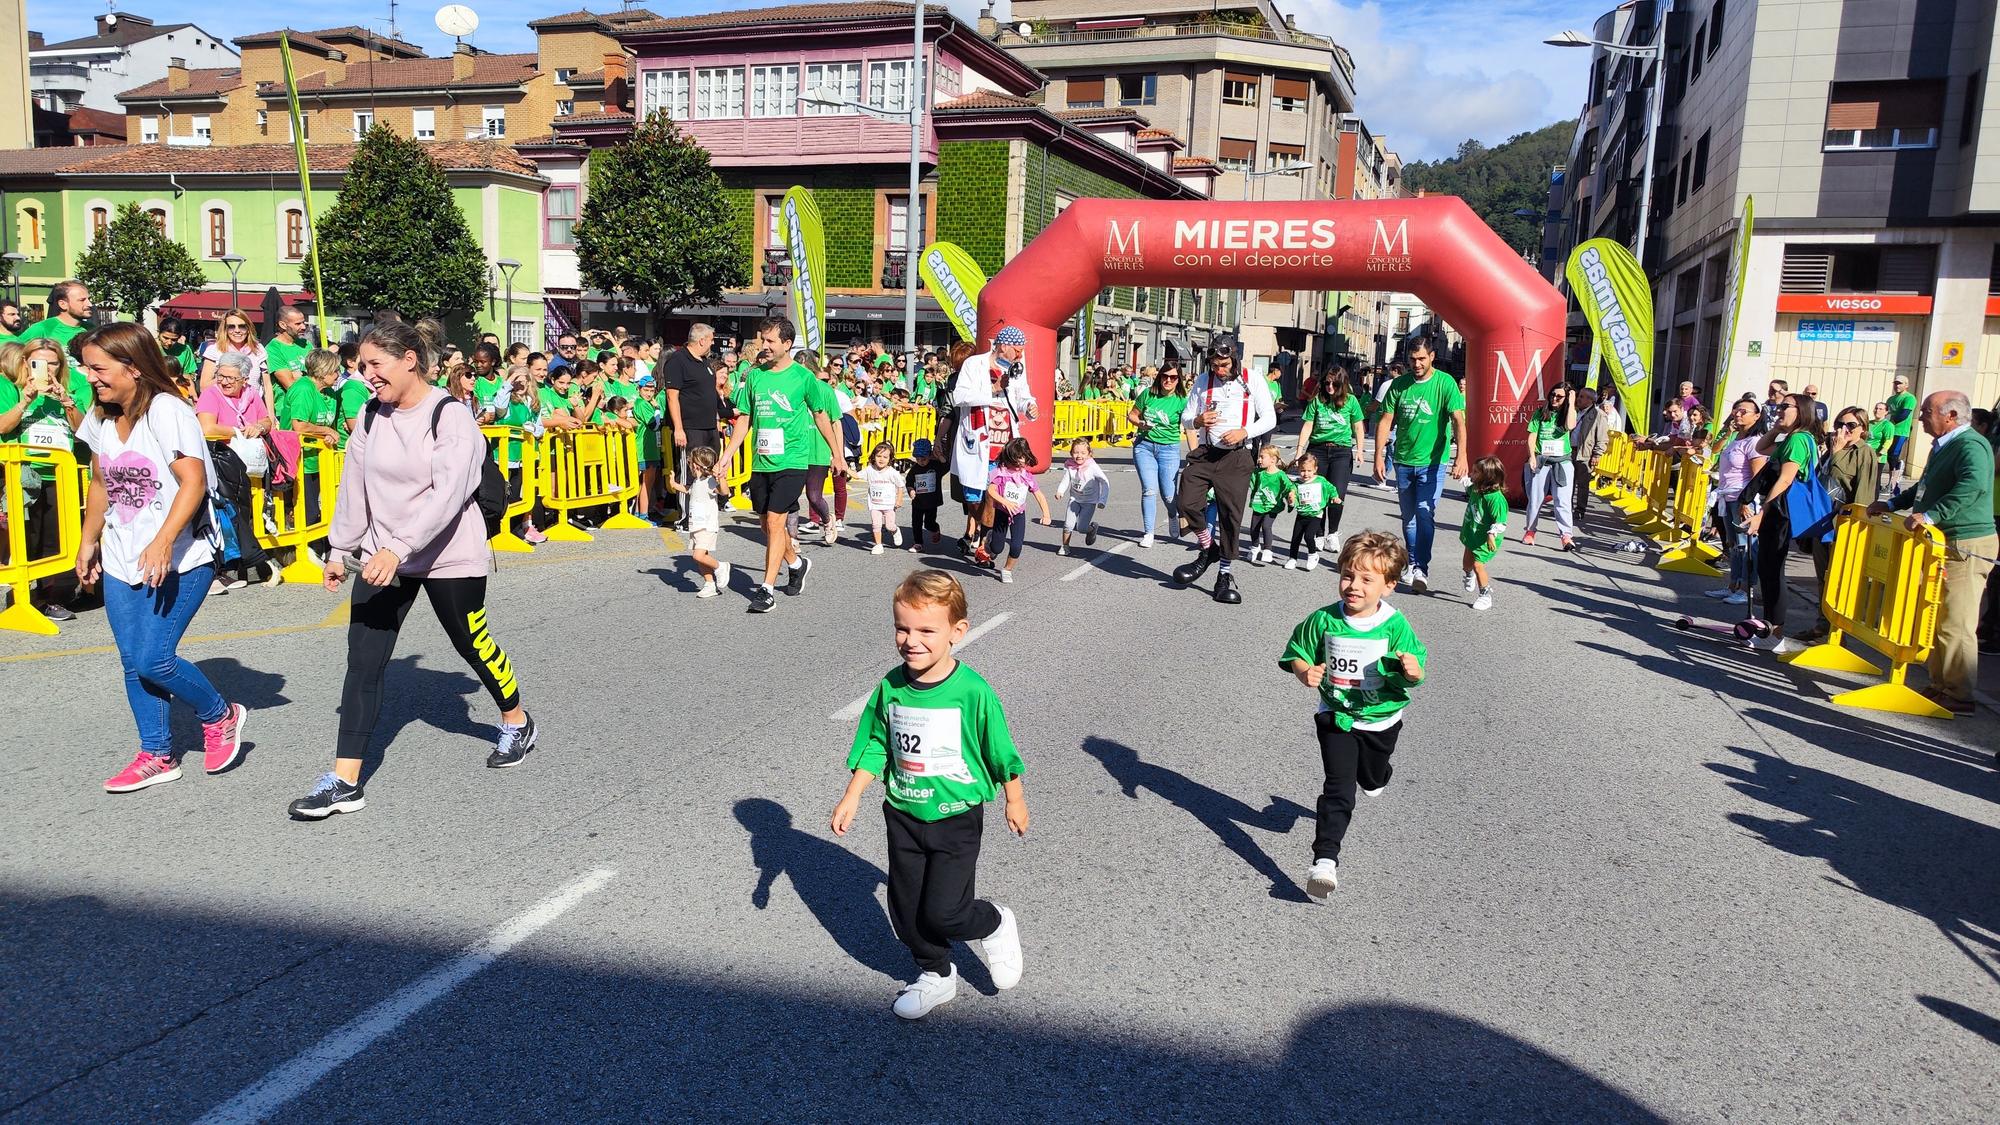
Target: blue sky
<point>1430,73</point>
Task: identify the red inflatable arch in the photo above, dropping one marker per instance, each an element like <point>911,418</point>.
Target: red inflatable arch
<point>1435,247</point>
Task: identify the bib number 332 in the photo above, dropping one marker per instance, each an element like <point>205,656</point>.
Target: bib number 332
<point>926,743</point>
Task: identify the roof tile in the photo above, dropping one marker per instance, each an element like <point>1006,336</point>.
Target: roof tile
<point>784,13</point>
<point>279,158</point>
<point>206,82</point>
<point>419,74</point>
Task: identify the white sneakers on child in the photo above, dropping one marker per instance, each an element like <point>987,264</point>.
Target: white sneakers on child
<point>1321,881</point>
<point>708,589</point>
<point>1291,564</point>
<point>1146,540</point>
<point>1001,950</point>
<point>722,576</point>
<point>930,990</point>
<point>876,549</point>
<point>1007,576</point>
<point>1062,550</point>
<point>1484,601</point>
<point>1420,583</point>
<point>896,536</point>
<point>1312,561</point>
<point>1471,584</point>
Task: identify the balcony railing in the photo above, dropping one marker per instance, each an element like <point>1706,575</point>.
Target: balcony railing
<point>777,268</point>
<point>893,272</point>
<point>1246,30</point>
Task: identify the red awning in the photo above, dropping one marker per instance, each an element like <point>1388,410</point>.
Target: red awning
<point>210,304</point>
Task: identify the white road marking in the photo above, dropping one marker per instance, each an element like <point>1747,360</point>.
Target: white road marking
<point>287,1082</point>
<point>1099,557</point>
<point>853,710</point>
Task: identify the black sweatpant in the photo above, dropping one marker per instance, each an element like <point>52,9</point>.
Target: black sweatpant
<point>1774,544</point>
<point>1228,472</point>
<point>1261,524</point>
<point>923,517</point>
<point>932,865</point>
<point>1336,464</point>
<point>1353,759</point>
<point>1306,531</point>
<point>376,619</point>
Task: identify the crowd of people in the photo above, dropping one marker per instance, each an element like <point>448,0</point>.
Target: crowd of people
<point>166,425</point>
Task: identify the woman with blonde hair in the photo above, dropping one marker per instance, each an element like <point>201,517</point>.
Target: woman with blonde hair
<point>236,336</point>
<point>36,410</point>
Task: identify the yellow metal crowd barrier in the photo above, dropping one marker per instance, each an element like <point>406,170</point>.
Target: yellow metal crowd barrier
<point>1611,465</point>
<point>1884,585</point>
<point>58,468</point>
<point>286,524</point>
<point>1071,421</point>
<point>521,481</point>
<point>588,469</point>
<point>1686,552</point>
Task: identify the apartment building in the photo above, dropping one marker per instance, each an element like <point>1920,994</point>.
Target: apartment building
<point>352,78</point>
<point>1240,85</point>
<point>1869,136</point>
<point>125,51</point>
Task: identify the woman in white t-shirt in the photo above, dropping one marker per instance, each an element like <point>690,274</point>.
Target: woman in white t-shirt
<point>149,483</point>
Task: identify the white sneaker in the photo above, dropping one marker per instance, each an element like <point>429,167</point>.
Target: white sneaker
<point>1737,598</point>
<point>896,536</point>
<point>1471,583</point>
<point>930,990</point>
<point>234,581</point>
<point>1291,564</point>
<point>1373,792</point>
<point>1146,540</point>
<point>1312,562</point>
<point>1002,951</point>
<point>1720,592</point>
<point>1323,879</point>
<point>707,590</point>
<point>1062,551</point>
<point>217,588</point>
<point>722,576</point>
<point>1333,544</point>
<point>876,549</point>
<point>1420,583</point>
<point>1007,576</point>
<point>277,577</point>
<point>832,533</point>
<point>1483,601</point>
<point>1780,645</point>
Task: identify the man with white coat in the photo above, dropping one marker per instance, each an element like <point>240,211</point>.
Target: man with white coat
<point>990,398</point>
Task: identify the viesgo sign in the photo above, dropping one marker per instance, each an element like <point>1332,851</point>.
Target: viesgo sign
<point>1887,304</point>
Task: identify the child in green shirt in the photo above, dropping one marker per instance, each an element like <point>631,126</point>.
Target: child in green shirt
<point>1270,493</point>
<point>1312,497</point>
<point>1881,433</point>
<point>1362,657</point>
<point>1485,527</point>
<point>934,732</point>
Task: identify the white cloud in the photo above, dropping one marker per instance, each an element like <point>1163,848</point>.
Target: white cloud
<point>1430,73</point>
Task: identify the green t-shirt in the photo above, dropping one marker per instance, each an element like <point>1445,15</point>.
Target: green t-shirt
<point>1423,413</point>
<point>44,423</point>
<point>646,414</point>
<point>183,360</point>
<point>280,356</point>
<point>1906,405</point>
<point>1881,435</point>
<point>1091,394</point>
<point>352,398</point>
<point>548,402</point>
<point>1547,438</point>
<point>1485,518</point>
<point>520,416</point>
<point>1313,495</point>
<point>923,391</point>
<point>1160,417</point>
<point>53,328</point>
<point>780,405</point>
<point>615,389</point>
<point>1269,489</point>
<point>1364,685</point>
<point>822,400</point>
<point>492,394</point>
<point>1800,450</point>
<point>1277,393</point>
<point>940,748</point>
<point>1332,425</point>
<point>305,402</point>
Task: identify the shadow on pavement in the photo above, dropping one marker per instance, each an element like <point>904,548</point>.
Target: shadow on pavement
<point>1220,813</point>
<point>837,885</point>
<point>542,1037</point>
<point>438,698</point>
<point>1904,853</point>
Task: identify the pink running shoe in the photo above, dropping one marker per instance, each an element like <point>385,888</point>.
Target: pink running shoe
<point>222,740</point>
<point>146,769</point>
<point>535,535</point>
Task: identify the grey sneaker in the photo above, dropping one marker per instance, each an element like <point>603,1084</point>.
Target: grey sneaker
<point>512,745</point>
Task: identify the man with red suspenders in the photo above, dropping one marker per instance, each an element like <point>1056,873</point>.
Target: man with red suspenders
<point>1229,411</point>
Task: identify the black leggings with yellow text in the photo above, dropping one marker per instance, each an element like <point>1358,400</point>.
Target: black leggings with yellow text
<point>372,627</point>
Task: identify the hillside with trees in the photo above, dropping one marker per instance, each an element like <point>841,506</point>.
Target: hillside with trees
<point>1500,180</point>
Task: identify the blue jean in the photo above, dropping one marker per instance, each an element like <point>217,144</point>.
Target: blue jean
<point>1418,490</point>
<point>1159,465</point>
<point>147,623</point>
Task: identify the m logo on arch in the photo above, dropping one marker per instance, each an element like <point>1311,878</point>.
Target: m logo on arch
<point>1121,246</point>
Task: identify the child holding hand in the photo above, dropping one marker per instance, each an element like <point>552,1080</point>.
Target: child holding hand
<point>1007,492</point>
<point>704,495</point>
<point>1485,527</point>
<point>1270,493</point>
<point>925,483</point>
<point>934,732</point>
<point>885,494</point>
<point>1362,657</point>
<point>1312,496</point>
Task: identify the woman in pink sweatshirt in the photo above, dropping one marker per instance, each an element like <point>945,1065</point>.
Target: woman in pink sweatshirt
<point>407,514</point>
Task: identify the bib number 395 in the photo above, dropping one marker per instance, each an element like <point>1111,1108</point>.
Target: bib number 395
<point>1355,662</point>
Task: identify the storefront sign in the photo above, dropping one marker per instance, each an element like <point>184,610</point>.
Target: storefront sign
<point>1847,331</point>
<point>1885,304</point>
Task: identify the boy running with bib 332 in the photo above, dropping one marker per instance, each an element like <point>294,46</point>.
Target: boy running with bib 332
<point>934,732</point>
<point>1363,658</point>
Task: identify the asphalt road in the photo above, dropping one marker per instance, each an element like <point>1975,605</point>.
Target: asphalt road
<point>1622,873</point>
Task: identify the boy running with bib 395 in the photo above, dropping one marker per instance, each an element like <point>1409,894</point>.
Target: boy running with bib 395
<point>1362,657</point>
<point>934,732</point>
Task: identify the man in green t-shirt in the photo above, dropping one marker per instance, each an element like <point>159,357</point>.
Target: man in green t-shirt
<point>69,315</point>
<point>1902,415</point>
<point>1428,413</point>
<point>285,355</point>
<point>783,405</point>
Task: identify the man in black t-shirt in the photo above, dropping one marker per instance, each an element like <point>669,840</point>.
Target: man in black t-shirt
<point>692,401</point>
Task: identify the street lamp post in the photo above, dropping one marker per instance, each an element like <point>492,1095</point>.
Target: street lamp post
<point>235,263</point>
<point>918,94</point>
<point>14,261</point>
<point>1657,51</point>
<point>507,266</point>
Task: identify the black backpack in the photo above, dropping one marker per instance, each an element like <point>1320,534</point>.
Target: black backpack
<point>492,494</point>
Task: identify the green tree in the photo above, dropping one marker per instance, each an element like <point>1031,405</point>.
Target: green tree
<point>656,224</point>
<point>396,239</point>
<point>1496,182</point>
<point>134,266</point>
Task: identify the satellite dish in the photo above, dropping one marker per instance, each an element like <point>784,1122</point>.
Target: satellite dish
<point>457,20</point>
<point>111,19</point>
<point>1025,29</point>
